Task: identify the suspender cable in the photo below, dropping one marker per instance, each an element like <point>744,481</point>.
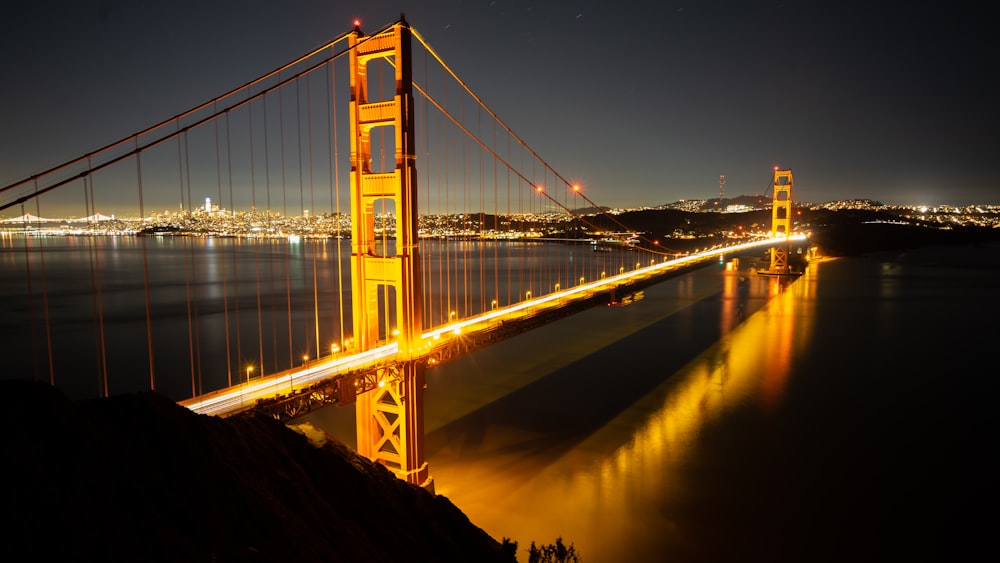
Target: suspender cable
<point>270,262</point>
<point>257,244</point>
<point>312,212</point>
<point>469,210</point>
<point>426,257</point>
<point>284,212</point>
<point>510,247</point>
<point>233,247</point>
<point>302,204</point>
<point>496,226</point>
<point>448,212</point>
<point>45,303</point>
<point>225,292</point>
<point>482,218</point>
<point>189,264</point>
<point>333,161</point>
<point>335,174</point>
<point>145,282</point>
<point>95,288</point>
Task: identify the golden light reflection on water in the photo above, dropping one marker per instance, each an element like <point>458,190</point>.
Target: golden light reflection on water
<point>609,500</point>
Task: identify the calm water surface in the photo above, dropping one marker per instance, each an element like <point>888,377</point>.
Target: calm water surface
<point>218,306</point>
<point>846,417</point>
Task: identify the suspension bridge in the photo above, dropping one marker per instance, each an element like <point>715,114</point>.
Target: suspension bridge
<point>263,251</point>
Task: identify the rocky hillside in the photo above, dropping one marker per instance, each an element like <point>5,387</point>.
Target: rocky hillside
<point>140,478</point>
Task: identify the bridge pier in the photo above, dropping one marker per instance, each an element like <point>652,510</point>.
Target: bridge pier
<point>390,425</point>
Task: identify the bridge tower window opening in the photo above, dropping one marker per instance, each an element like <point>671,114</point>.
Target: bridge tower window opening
<point>382,307</point>
<point>383,142</point>
<point>383,217</point>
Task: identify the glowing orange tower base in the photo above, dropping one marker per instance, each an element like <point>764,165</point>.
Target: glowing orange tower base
<point>390,417</point>
<point>781,224</point>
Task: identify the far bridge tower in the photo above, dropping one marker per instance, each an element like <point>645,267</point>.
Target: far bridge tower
<point>781,222</point>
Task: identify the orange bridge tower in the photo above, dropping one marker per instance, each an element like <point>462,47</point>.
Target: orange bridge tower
<point>387,298</point>
<point>781,221</point>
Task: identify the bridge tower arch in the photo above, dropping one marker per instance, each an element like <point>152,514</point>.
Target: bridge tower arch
<point>387,298</point>
<point>781,220</point>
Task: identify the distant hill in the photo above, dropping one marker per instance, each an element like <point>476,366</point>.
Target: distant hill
<point>838,232</point>
<point>662,222</point>
<point>723,203</point>
<point>140,478</point>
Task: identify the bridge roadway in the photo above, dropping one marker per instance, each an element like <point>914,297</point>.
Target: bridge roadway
<point>341,377</point>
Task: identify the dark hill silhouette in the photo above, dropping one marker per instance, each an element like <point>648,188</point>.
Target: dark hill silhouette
<point>140,478</point>
<point>836,232</point>
<point>854,232</point>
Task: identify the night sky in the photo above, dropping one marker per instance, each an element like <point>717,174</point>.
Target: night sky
<point>644,103</point>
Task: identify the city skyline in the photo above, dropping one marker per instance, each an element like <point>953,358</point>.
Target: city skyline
<point>643,106</point>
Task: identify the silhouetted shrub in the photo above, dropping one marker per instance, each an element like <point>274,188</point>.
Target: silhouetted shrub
<point>553,553</point>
